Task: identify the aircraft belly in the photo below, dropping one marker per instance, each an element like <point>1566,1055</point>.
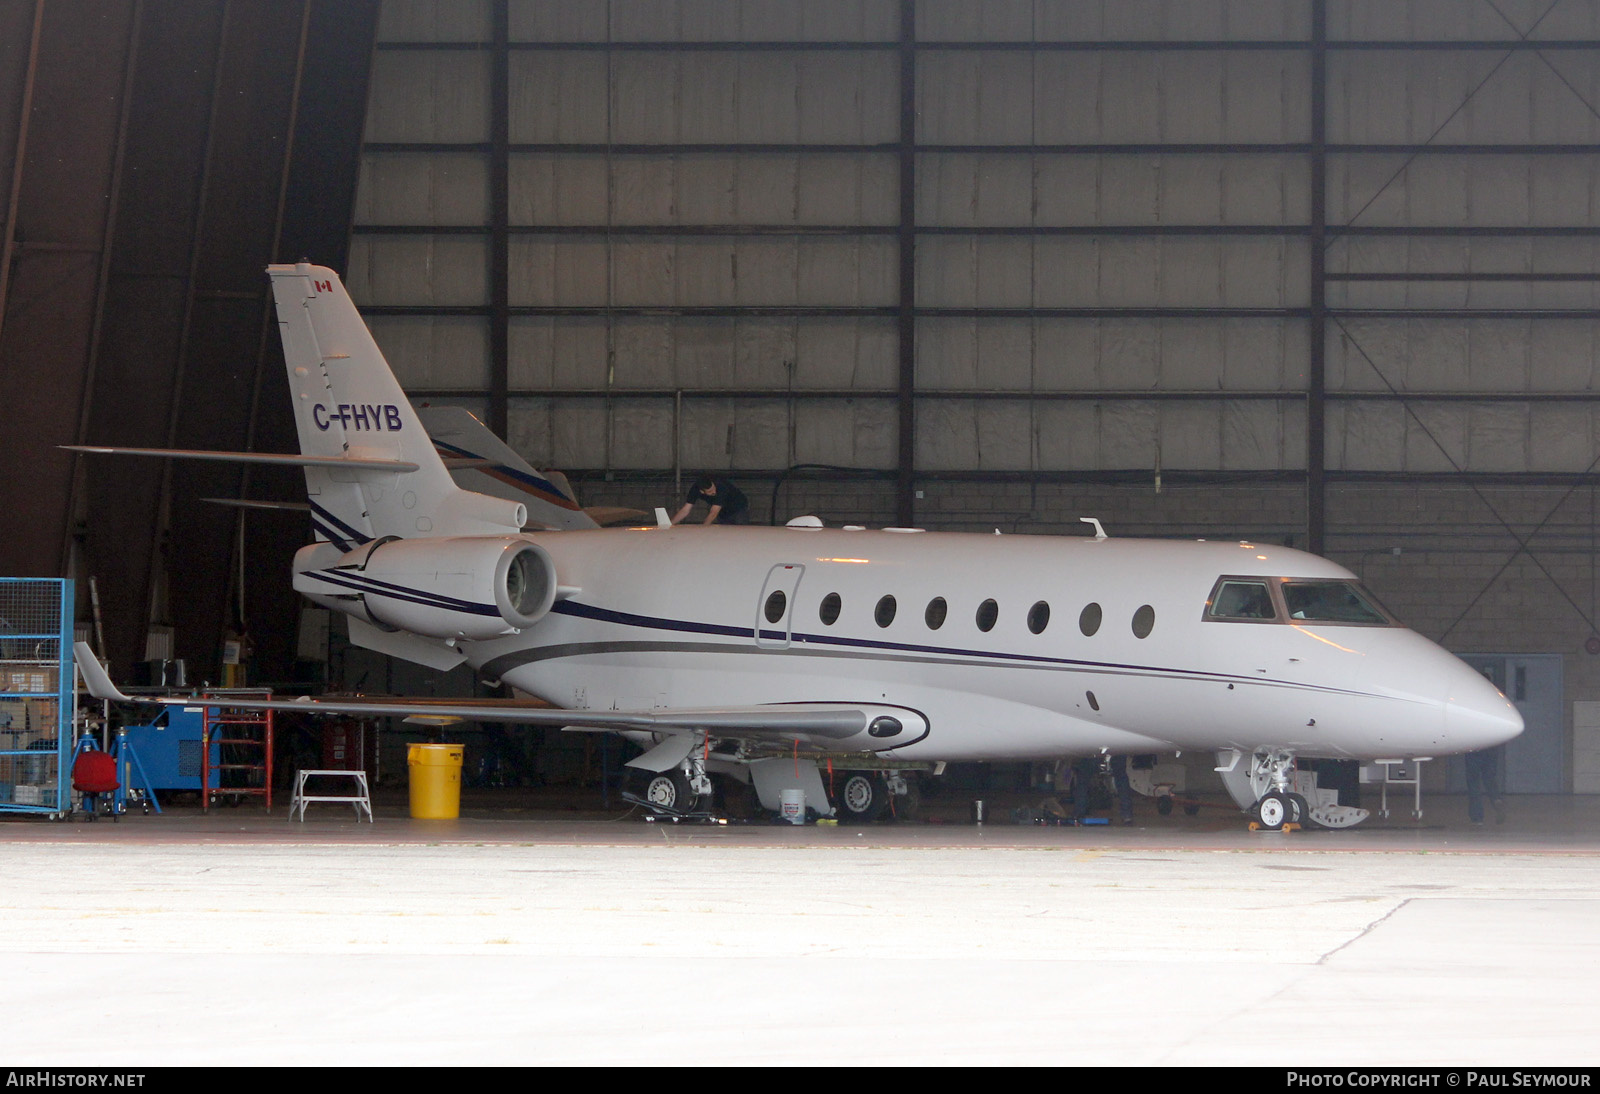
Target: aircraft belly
<point>974,712</point>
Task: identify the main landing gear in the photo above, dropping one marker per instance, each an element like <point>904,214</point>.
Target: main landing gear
<point>680,791</point>
<point>705,784</point>
<point>668,792</point>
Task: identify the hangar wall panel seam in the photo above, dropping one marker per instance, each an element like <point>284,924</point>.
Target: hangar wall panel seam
<point>1111,198</point>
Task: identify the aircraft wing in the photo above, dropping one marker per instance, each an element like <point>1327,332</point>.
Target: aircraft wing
<point>777,722</point>
<point>284,459</point>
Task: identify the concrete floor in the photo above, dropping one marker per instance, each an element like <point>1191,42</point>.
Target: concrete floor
<point>548,935</point>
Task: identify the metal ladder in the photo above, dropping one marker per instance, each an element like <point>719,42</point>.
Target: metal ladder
<point>237,734</point>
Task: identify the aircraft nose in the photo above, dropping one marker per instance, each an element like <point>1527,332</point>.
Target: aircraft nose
<point>1476,715</point>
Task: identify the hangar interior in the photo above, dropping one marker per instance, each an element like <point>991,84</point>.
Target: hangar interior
<point>1318,272</point>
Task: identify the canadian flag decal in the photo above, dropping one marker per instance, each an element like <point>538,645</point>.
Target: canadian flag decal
<point>322,286</point>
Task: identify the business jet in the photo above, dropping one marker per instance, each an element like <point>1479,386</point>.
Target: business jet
<point>758,654</point>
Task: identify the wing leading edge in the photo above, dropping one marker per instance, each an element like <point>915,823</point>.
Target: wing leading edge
<point>823,723</point>
<point>282,459</point>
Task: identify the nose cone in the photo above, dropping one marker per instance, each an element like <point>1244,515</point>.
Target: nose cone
<point>1476,715</point>
<point>1445,705</point>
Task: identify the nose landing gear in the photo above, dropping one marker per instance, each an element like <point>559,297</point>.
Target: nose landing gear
<point>1275,809</point>
<point>1276,794</point>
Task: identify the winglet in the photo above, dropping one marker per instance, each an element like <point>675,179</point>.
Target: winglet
<point>95,677</point>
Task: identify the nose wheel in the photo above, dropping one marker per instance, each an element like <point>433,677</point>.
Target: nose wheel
<point>1277,808</point>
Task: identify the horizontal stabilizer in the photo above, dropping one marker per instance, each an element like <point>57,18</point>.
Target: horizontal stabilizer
<point>251,503</point>
<point>283,459</point>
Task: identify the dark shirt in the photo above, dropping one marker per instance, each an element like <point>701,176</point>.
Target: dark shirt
<point>735,506</point>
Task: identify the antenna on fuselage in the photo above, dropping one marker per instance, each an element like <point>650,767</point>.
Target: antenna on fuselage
<point>1099,532</point>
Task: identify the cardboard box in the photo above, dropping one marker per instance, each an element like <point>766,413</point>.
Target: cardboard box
<point>30,718</point>
<point>29,677</point>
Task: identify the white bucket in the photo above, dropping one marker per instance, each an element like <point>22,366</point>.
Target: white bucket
<point>792,805</point>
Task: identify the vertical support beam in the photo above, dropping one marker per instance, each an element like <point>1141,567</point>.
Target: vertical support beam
<point>274,655</point>
<point>148,306</point>
<point>236,225</point>
<point>1316,374</point>
<point>317,209</point>
<point>166,557</point>
<point>320,202</point>
<point>499,218</point>
<point>905,464</point>
<point>10,43</point>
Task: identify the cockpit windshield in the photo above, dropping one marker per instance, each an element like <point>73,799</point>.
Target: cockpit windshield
<point>1245,600</point>
<point>1329,602</point>
<point>1249,599</point>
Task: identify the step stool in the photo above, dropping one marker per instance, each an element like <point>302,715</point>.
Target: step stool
<point>361,801</point>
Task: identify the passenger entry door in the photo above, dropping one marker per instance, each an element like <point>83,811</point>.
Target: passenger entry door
<point>775,608</point>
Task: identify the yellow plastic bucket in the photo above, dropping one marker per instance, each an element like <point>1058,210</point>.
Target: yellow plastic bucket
<point>435,772</point>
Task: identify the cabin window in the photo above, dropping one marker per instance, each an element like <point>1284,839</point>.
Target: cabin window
<point>1039,617</point>
<point>1329,602</point>
<point>1249,601</point>
<point>1144,621</point>
<point>884,612</point>
<point>1089,620</point>
<point>935,614</point>
<point>988,612</point>
<point>776,603</point>
<point>829,610</point>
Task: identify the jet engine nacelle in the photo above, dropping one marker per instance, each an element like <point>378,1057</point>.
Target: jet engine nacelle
<point>471,587</point>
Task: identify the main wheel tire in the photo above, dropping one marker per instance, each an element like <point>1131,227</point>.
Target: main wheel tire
<point>1273,810</point>
<point>1164,805</point>
<point>907,806</point>
<point>861,797</point>
<point>668,792</point>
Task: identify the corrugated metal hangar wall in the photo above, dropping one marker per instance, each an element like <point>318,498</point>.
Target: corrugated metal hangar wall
<point>1316,270</point>
<point>1322,271</point>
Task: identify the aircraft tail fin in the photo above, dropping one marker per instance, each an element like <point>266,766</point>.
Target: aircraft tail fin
<point>348,405</point>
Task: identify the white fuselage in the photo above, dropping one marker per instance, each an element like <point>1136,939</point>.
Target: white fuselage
<point>677,617</point>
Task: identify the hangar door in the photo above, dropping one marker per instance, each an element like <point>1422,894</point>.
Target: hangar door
<point>1535,762</point>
